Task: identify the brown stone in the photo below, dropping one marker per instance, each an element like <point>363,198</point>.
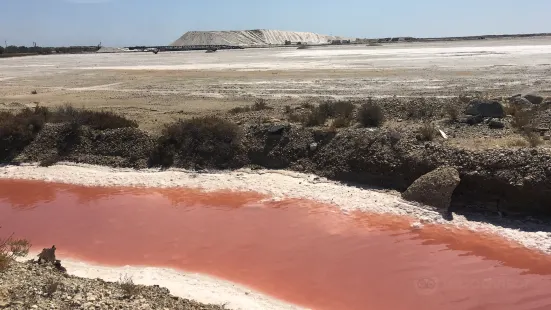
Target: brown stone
<point>435,188</point>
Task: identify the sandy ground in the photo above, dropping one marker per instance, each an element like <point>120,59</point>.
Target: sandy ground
<point>159,88</point>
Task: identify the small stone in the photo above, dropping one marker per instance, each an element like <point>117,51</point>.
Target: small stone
<point>313,146</point>
<point>34,306</point>
<point>496,124</point>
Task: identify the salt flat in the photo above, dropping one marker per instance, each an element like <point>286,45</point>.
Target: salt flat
<point>193,82</point>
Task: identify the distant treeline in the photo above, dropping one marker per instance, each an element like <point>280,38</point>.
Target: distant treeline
<point>38,50</point>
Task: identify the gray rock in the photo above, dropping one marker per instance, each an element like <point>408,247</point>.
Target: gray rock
<point>520,101</point>
<point>533,98</point>
<point>435,188</point>
<point>485,108</point>
<point>474,120</point>
<point>496,124</point>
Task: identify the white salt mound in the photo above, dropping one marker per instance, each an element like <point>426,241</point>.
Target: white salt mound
<point>250,37</point>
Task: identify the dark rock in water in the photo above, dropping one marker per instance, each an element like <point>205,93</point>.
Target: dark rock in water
<point>277,129</point>
<point>435,188</point>
<point>533,98</point>
<point>485,108</point>
<point>496,124</point>
<point>474,120</point>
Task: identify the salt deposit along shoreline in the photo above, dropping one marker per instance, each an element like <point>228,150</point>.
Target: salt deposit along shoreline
<point>193,286</point>
<point>276,184</point>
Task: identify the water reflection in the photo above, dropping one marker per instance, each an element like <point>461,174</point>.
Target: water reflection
<point>298,250</point>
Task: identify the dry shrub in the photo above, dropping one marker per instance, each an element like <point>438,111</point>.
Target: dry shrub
<point>201,141</point>
<point>34,92</point>
<point>453,113</point>
<point>287,109</point>
<point>51,287</point>
<point>10,249</point>
<point>517,142</point>
<point>128,287</point>
<point>316,117</point>
<point>18,130</point>
<point>533,139</point>
<point>238,110</point>
<point>427,132</point>
<point>371,115</point>
<point>420,109</point>
<point>522,119</point>
<point>341,122</point>
<point>259,105</point>
<point>307,105</point>
<point>343,109</point>
<point>100,120</point>
<point>511,109</point>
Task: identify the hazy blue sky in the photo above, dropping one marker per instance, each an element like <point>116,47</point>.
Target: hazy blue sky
<point>159,22</point>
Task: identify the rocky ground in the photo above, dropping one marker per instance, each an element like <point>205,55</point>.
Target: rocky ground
<point>29,285</point>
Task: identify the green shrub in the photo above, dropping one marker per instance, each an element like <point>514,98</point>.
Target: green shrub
<point>207,141</point>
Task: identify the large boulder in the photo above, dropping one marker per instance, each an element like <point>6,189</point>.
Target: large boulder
<point>533,98</point>
<point>435,188</point>
<point>485,108</point>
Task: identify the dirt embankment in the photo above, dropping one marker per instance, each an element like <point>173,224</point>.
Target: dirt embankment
<point>515,180</point>
<point>512,179</point>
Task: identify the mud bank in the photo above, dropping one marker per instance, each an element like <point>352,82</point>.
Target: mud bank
<point>514,181</point>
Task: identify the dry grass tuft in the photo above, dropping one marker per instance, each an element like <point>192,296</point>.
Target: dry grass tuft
<point>427,132</point>
<point>128,287</point>
<point>10,249</point>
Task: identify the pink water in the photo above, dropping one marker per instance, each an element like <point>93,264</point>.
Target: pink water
<point>300,251</point>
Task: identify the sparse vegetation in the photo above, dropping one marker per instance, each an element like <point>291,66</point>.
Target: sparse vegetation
<point>18,130</point>
<point>452,113</point>
<point>259,105</point>
<point>533,139</point>
<point>427,132</point>
<point>128,287</point>
<point>238,110</point>
<point>203,141</point>
<point>51,287</point>
<point>100,120</point>
<point>522,119</point>
<point>371,115</point>
<point>10,249</point>
<point>420,109</point>
<point>341,122</point>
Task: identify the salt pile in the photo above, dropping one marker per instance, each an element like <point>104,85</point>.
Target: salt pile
<point>250,37</point>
